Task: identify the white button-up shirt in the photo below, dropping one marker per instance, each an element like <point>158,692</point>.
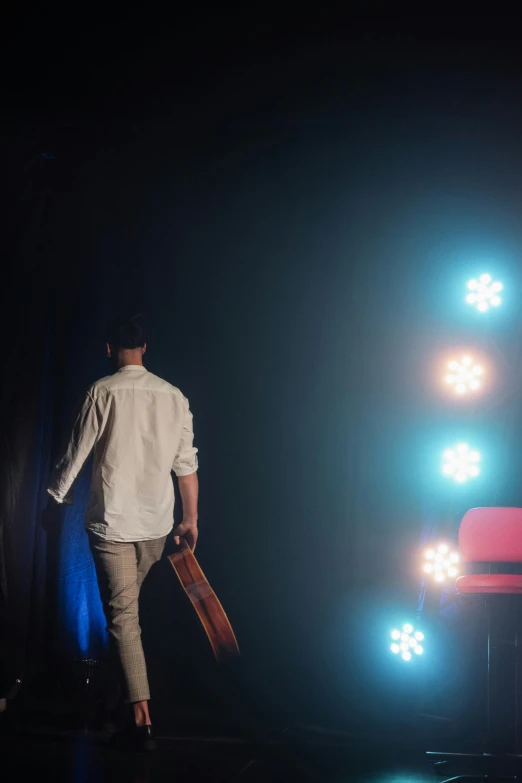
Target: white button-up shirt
<point>140,429</point>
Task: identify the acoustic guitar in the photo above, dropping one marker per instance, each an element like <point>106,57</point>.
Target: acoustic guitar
<point>205,602</point>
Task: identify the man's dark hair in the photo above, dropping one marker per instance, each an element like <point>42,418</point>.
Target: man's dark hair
<point>126,332</point>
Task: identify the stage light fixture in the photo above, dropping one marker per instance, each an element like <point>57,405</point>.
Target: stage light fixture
<point>441,563</point>
<point>464,375</point>
<point>407,642</point>
<point>484,293</point>
<point>461,463</point>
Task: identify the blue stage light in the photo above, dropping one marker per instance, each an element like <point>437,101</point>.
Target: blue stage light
<point>484,293</point>
<point>461,463</point>
<point>407,641</point>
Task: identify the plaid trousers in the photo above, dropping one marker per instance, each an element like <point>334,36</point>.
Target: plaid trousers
<point>121,568</point>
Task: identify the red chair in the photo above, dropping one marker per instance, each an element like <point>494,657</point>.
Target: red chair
<point>490,543</point>
<point>491,535</point>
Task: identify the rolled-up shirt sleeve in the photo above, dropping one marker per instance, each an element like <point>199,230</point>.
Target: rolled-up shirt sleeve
<point>186,461</point>
<point>79,446</point>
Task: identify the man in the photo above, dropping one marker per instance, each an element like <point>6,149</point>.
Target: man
<point>139,429</point>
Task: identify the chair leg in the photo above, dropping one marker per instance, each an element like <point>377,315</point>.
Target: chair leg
<point>518,737</point>
<point>476,778</point>
<point>443,768</point>
<point>497,764</point>
<point>476,766</point>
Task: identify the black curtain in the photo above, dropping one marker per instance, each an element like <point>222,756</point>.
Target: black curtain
<point>25,400</point>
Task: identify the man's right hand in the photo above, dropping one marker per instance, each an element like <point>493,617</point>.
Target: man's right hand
<point>189,530</point>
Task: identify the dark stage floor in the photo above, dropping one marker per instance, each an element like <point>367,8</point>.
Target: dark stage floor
<point>82,758</point>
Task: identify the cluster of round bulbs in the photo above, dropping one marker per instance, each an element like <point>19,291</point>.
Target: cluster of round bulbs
<point>484,293</point>
<point>464,375</point>
<point>441,563</point>
<point>407,642</point>
<point>461,463</point>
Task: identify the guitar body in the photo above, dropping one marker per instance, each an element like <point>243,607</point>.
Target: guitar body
<point>205,602</point>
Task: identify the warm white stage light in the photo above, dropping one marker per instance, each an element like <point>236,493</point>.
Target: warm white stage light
<point>441,564</point>
<point>464,375</point>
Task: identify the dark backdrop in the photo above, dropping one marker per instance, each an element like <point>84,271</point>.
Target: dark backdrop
<point>296,206</point>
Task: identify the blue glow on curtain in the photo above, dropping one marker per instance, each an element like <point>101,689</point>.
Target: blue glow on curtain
<point>79,604</point>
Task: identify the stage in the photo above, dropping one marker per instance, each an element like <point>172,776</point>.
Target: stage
<point>81,757</point>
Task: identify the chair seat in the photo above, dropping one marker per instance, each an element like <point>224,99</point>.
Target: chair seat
<point>490,583</point>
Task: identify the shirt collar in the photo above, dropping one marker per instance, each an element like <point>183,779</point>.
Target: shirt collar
<point>132,367</point>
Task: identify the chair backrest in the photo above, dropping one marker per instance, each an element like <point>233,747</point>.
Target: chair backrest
<point>491,535</point>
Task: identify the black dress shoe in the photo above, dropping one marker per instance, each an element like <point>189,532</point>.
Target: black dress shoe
<point>135,738</point>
